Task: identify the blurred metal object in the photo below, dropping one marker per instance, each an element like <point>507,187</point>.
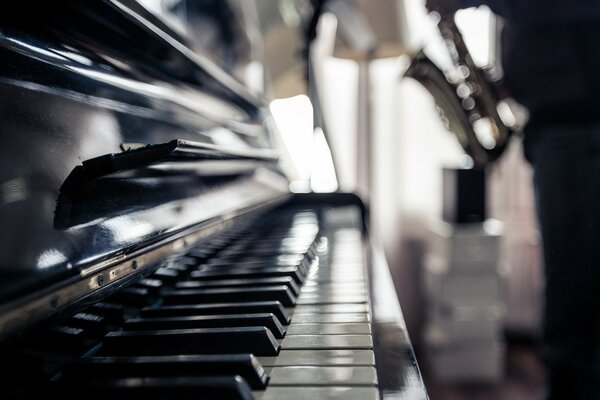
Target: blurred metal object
<point>471,102</point>
<point>278,43</point>
<point>369,29</point>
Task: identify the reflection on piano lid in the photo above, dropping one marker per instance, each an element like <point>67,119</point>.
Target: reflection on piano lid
<point>79,82</point>
<point>193,155</point>
<point>182,266</point>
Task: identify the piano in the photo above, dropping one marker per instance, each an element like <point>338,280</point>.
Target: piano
<point>150,244</point>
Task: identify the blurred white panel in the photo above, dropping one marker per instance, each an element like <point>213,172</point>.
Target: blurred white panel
<point>339,99</point>
<point>294,119</point>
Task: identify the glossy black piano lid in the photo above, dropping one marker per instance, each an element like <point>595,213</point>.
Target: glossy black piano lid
<point>78,80</point>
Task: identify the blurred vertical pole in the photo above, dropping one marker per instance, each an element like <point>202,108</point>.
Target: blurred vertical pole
<point>315,98</point>
<point>359,44</point>
<point>364,139</point>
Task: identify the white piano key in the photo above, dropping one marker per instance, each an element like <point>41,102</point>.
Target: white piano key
<point>317,393</point>
<point>334,285</point>
<point>338,272</point>
<point>346,264</point>
<point>329,329</point>
<point>337,279</point>
<point>326,294</point>
<point>339,291</point>
<point>329,318</point>
<point>308,300</point>
<point>331,309</point>
<point>321,357</point>
<point>327,342</point>
<point>323,376</point>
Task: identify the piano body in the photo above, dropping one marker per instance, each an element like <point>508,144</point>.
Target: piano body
<point>150,245</point>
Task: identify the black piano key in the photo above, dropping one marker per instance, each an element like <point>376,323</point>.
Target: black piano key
<point>208,321</point>
<point>224,265</point>
<point>242,273</point>
<point>254,254</point>
<point>244,365</point>
<point>223,283</point>
<point>95,324</point>
<point>215,244</point>
<point>265,252</point>
<point>187,262</point>
<point>112,313</point>
<point>206,250</point>
<point>278,239</point>
<point>166,274</point>
<point>289,243</point>
<point>64,339</point>
<point>134,297</point>
<point>181,268</point>
<point>198,255</point>
<point>267,241</point>
<point>280,258</point>
<point>152,388</point>
<point>256,340</point>
<point>196,296</point>
<point>283,259</point>
<point>273,307</point>
<point>153,285</point>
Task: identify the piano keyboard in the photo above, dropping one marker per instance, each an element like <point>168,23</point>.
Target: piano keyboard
<point>279,310</point>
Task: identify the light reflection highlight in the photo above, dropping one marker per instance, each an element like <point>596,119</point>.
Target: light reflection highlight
<point>49,258</point>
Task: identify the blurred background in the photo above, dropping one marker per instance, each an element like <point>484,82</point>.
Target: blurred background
<point>350,121</point>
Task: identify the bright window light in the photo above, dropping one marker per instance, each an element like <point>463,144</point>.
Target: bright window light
<point>306,147</point>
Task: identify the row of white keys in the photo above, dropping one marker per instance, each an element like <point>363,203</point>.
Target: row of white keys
<point>328,350</point>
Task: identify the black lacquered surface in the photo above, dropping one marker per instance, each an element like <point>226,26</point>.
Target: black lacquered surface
<point>83,81</point>
<point>79,82</point>
<point>398,371</point>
